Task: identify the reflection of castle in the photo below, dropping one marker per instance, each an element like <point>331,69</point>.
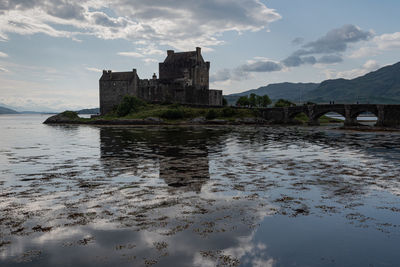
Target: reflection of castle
<point>184,79</point>
<point>181,167</point>
<point>182,154</point>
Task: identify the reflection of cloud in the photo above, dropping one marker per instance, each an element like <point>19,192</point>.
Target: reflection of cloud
<point>62,233</point>
<point>245,251</point>
<point>121,208</point>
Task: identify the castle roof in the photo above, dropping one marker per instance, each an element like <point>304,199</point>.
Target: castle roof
<point>182,57</point>
<point>117,76</point>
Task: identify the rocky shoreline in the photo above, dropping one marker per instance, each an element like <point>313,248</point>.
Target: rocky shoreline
<point>63,119</point>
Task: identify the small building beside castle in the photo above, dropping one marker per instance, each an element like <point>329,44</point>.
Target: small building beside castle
<point>183,78</point>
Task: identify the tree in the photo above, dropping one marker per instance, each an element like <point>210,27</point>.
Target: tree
<point>224,102</point>
<point>243,101</point>
<point>284,103</point>
<point>265,101</point>
<point>253,100</point>
<point>129,104</point>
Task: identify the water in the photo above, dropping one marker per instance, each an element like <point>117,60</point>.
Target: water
<point>197,196</point>
<point>363,118</point>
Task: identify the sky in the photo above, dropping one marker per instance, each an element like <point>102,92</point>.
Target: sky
<point>52,52</point>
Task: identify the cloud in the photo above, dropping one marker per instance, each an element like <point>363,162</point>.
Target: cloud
<point>3,69</point>
<point>295,61</point>
<point>298,41</point>
<point>93,69</point>
<point>379,44</point>
<point>3,54</point>
<point>100,18</point>
<point>261,66</point>
<point>150,60</point>
<point>181,24</point>
<point>370,65</point>
<point>330,59</point>
<point>242,72</point>
<point>334,42</point>
<point>130,54</point>
<point>221,75</point>
<point>328,46</point>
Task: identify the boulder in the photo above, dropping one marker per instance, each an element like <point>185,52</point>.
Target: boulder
<point>64,117</point>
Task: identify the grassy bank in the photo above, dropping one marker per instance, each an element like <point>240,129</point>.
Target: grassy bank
<point>174,114</point>
<point>177,113</point>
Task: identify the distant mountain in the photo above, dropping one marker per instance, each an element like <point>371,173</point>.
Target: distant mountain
<point>89,111</point>
<point>291,91</point>
<point>36,112</point>
<point>381,86</point>
<point>4,110</point>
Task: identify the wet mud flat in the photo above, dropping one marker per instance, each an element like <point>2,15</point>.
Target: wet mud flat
<point>199,196</point>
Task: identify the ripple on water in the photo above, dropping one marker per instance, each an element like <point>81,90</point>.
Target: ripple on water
<point>198,196</point>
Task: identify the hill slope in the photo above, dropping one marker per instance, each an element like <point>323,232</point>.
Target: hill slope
<point>4,110</point>
<point>381,86</point>
<point>89,111</point>
<point>290,91</point>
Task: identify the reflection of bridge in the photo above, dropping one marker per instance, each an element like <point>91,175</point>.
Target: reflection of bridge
<point>388,115</point>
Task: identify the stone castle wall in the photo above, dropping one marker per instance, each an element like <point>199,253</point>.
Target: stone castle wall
<point>184,79</point>
<point>113,91</point>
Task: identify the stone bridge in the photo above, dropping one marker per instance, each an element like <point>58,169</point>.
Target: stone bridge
<point>388,115</point>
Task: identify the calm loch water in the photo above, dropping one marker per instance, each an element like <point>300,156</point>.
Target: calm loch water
<point>197,196</point>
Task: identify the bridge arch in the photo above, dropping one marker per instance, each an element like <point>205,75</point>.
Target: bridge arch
<point>319,115</point>
<point>356,113</point>
<point>320,111</point>
<point>293,114</point>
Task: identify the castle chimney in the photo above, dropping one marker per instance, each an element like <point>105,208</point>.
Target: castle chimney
<point>154,76</point>
<point>198,52</point>
<point>134,71</point>
<point>110,73</point>
<point>104,72</point>
<point>170,52</point>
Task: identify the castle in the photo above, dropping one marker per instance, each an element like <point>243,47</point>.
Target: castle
<point>183,78</point>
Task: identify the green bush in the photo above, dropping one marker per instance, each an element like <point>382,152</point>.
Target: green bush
<point>70,114</point>
<point>228,112</point>
<point>173,114</point>
<point>129,104</point>
<point>211,114</point>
